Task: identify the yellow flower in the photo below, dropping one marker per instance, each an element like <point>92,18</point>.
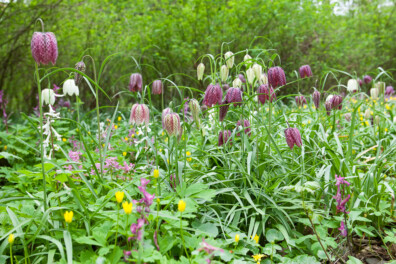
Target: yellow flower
<point>258,257</point>
<point>163,133</point>
<point>133,135</point>
<point>68,216</point>
<point>367,123</point>
<point>309,121</point>
<point>181,206</point>
<point>387,107</point>
<point>89,132</point>
<point>119,196</point>
<point>115,127</point>
<point>371,112</point>
<point>103,144</point>
<point>361,118</point>
<point>5,147</point>
<point>189,159</point>
<point>64,139</point>
<point>305,106</point>
<point>156,173</point>
<point>160,150</point>
<point>375,101</point>
<point>11,238</point>
<point>124,153</point>
<point>237,238</point>
<point>126,138</point>
<point>166,139</point>
<point>188,153</point>
<point>167,160</point>
<point>119,118</point>
<point>127,206</point>
<point>137,132</point>
<point>77,129</point>
<point>255,238</point>
<point>386,130</point>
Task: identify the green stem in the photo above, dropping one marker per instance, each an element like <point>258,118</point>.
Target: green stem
<point>41,138</point>
<point>118,214</point>
<point>181,235</point>
<point>12,261</point>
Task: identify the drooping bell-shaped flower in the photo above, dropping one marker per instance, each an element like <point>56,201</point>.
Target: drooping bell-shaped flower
<point>140,114</point>
<point>367,79</point>
<point>337,102</point>
<point>316,98</point>
<point>242,78</point>
<point>305,71</point>
<point>164,113</point>
<point>225,87</point>
<point>360,82</point>
<point>276,77</point>
<point>224,137</point>
<point>265,93</point>
<point>389,91</point>
<point>348,117</point>
<point>377,120</point>
<point>328,106</point>
<point>263,79</point>
<point>374,93</point>
<point>229,58</point>
<point>247,58</point>
<point>44,47</point>
<point>237,83</point>
<point>381,87</point>
<point>135,82</point>
<point>250,75</point>
<point>213,95</point>
<point>300,100</point>
<point>234,95</point>
<point>157,87</point>
<point>195,110</point>
<point>352,86</point>
<point>246,124</point>
<point>367,114</point>
<point>47,96</point>
<point>257,69</point>
<point>200,71</point>
<point>223,73</point>
<point>78,77</point>
<point>293,137</point>
<point>172,124</point>
<point>70,88</point>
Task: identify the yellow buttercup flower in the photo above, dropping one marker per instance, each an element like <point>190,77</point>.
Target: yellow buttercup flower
<point>127,206</point>
<point>156,173</point>
<point>11,238</point>
<point>367,123</point>
<point>181,206</point>
<point>237,238</point>
<point>305,106</point>
<point>133,135</point>
<point>258,257</point>
<point>163,133</point>
<point>189,159</point>
<point>124,153</point>
<point>137,132</point>
<point>119,118</point>
<point>103,144</point>
<point>126,138</point>
<point>188,153</point>
<point>64,139</point>
<point>5,147</point>
<point>167,160</point>
<point>115,127</point>
<point>386,130</point>
<point>68,216</point>
<point>119,196</point>
<point>89,132</point>
<point>255,238</point>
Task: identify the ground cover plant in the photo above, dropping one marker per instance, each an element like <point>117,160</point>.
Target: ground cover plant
<point>237,173</point>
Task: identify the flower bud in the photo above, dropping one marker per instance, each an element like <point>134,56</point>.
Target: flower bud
<point>316,98</point>
<point>263,79</point>
<point>367,114</point>
<point>377,120</point>
<point>223,111</point>
<point>264,93</point>
<point>234,95</point>
<point>78,77</point>
<point>250,75</point>
<point>300,100</point>
<point>328,106</point>
<point>172,124</point>
<point>223,73</point>
<point>11,239</point>
<point>381,88</point>
<point>237,83</point>
<point>247,58</point>
<point>229,58</point>
<point>195,110</point>
<point>348,117</point>
<point>47,96</point>
<point>242,78</point>
<point>44,47</point>
<point>157,87</point>
<point>224,137</point>
<point>257,70</point>
<point>200,71</point>
<point>389,91</point>
<point>360,82</point>
<point>276,77</point>
<point>213,95</point>
<point>135,82</point>
<point>173,181</point>
<point>293,137</point>
<point>140,114</point>
<point>374,93</point>
<point>70,88</point>
<point>305,71</point>
<point>367,79</point>
<point>337,102</point>
<point>246,125</point>
<point>352,86</point>
<point>164,113</point>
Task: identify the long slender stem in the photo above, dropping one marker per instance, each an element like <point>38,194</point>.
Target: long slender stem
<point>181,235</point>
<point>41,138</point>
<point>12,261</point>
<point>118,214</point>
